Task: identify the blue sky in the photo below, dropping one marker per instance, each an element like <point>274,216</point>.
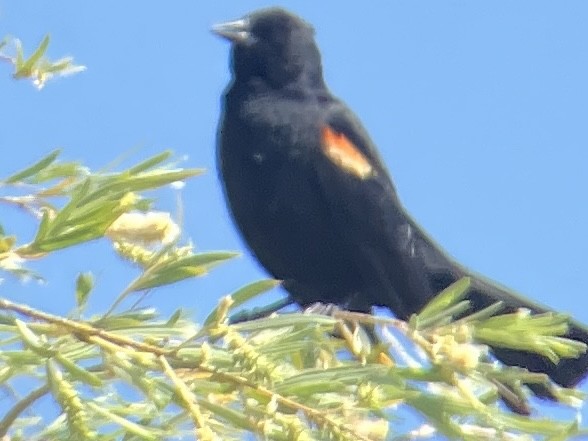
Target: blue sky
<point>479,110</point>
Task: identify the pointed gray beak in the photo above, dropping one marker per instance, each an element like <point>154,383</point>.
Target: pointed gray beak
<point>236,31</point>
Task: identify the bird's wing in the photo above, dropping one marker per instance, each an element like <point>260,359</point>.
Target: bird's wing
<point>396,252</point>
<point>368,216</point>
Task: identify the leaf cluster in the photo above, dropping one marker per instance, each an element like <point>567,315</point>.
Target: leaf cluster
<point>129,374</point>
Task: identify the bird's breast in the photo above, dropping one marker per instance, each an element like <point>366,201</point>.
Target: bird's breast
<point>275,197</point>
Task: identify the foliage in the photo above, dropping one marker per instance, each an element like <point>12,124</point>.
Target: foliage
<point>129,374</point>
<point>36,67</point>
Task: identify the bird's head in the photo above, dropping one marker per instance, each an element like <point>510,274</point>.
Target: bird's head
<point>273,46</point>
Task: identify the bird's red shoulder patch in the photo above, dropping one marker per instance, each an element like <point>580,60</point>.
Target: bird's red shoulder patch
<point>344,154</point>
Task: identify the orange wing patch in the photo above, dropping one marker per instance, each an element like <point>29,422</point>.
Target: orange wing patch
<point>344,154</point>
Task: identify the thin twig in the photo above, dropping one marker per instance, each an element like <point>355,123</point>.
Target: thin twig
<point>82,330</point>
<point>88,333</point>
<point>20,407</point>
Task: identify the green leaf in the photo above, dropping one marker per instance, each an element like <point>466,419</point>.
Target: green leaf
<point>6,243</point>
<point>58,65</point>
<point>44,225</point>
<point>34,169</point>
<point>540,333</point>
<point>76,223</point>
<point>54,225</point>
<point>84,284</point>
<point>19,53</point>
<point>25,69</point>
<point>177,315</point>
<point>74,236</point>
<point>32,341</point>
<point>78,373</point>
<point>121,184</point>
<point>149,163</point>
<point>58,171</point>
<point>252,290</point>
<point>244,294</point>
<point>158,178</point>
<point>446,298</point>
<point>444,317</point>
<point>284,320</point>
<point>483,314</point>
<point>142,432</point>
<point>174,270</point>
<point>232,416</point>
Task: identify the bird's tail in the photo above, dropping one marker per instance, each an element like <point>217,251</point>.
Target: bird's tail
<point>568,372</point>
<point>443,271</point>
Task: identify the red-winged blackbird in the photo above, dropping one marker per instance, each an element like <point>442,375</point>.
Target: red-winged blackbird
<point>314,201</point>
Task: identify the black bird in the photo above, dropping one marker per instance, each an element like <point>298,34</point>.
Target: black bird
<point>316,204</point>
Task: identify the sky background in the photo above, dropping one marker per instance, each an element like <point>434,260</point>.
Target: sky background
<point>479,109</point>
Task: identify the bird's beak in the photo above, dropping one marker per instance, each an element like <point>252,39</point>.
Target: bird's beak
<point>236,31</point>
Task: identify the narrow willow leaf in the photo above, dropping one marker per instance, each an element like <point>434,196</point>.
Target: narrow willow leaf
<point>122,183</point>
<point>295,319</point>
<point>72,237</point>
<point>540,333</point>
<point>58,171</point>
<point>64,66</point>
<point>449,296</point>
<point>233,417</point>
<point>444,317</point>
<point>149,163</point>
<point>60,65</point>
<point>63,215</point>
<point>252,290</point>
<point>33,169</point>
<point>566,347</point>
<point>167,277</point>
<point>174,318</point>
<point>44,226</point>
<point>180,269</point>
<point>244,294</point>
<point>19,60</point>
<point>202,259</point>
<point>24,69</point>
<point>543,426</point>
<point>483,314</point>
<point>145,433</point>
<point>97,212</point>
<point>160,178</point>
<point>437,411</point>
<point>32,341</point>
<point>517,340</point>
<point>84,284</point>
<point>78,373</point>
